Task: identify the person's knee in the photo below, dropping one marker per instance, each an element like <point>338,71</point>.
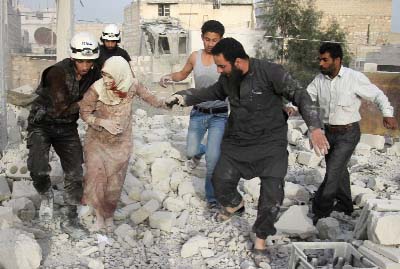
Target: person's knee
<point>41,182</point>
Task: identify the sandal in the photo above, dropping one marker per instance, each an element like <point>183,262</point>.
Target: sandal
<point>260,256</point>
<point>224,215</point>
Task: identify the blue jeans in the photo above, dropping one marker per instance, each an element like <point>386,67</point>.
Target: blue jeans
<point>198,126</point>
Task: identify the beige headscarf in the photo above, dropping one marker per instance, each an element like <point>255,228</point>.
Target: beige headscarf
<point>121,72</point>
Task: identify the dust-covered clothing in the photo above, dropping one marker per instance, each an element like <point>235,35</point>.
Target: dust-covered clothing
<point>106,155</point>
<point>255,138</point>
<point>52,122</point>
<point>105,54</point>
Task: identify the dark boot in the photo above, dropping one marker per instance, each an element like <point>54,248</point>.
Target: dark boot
<point>70,224</point>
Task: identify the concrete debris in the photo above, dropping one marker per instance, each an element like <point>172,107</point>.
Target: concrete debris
<point>296,192</point>
<point>363,150</point>
<point>163,220</point>
<point>309,159</point>
<point>252,187</point>
<point>295,222</point>
<point>374,141</point>
<point>328,228</point>
<point>22,207</point>
<point>193,246</point>
<point>390,252</point>
<point>378,259</point>
<point>5,192</point>
<point>145,211</point>
<point>383,228</point>
<point>18,250</point>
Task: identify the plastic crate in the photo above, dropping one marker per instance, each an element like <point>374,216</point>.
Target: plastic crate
<point>341,252</point>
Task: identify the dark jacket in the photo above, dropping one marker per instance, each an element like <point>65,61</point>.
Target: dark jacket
<point>106,53</point>
<point>59,93</point>
<point>256,116</point>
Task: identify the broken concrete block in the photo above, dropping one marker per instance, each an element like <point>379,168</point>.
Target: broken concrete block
<point>22,207</point>
<point>145,211</point>
<point>295,221</point>
<point>174,204</point>
<point>252,187</point>
<point>377,184</point>
<point>163,220</point>
<point>357,190</point>
<point>383,228</point>
<point>328,228</point>
<point>375,141</point>
<point>17,171</point>
<point>294,136</point>
<point>135,193</point>
<point>5,192</point>
<point>7,217</point>
<point>150,152</point>
<point>362,198</point>
<point>131,182</point>
<point>176,178</point>
<point>139,168</point>
<point>148,239</point>
<point>394,150</point>
<point>363,150</point>
<point>25,188</point>
<point>378,259</point>
<point>193,246</point>
<point>308,158</point>
<point>19,250</point>
<point>162,168</point>
<point>95,264</point>
<point>182,220</point>
<point>296,192</point>
<point>148,195</point>
<point>124,230</point>
<point>390,252</point>
<point>126,211</point>
<point>186,188</point>
<point>313,177</point>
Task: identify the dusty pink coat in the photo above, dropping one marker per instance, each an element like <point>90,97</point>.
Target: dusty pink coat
<point>107,155</point>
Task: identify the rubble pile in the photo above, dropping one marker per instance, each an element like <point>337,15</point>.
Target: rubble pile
<point>162,220</point>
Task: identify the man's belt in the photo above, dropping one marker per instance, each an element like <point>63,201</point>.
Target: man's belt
<point>339,128</point>
<point>211,110</point>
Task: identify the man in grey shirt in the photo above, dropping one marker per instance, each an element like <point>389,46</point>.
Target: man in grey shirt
<point>338,92</point>
<point>255,138</point>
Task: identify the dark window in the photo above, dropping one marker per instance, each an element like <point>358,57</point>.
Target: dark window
<point>164,10</point>
<point>163,45</point>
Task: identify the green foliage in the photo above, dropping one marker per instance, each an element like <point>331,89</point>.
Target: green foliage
<point>298,26</point>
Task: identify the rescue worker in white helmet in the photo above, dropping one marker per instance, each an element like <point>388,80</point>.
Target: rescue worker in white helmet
<point>52,122</point>
<point>110,37</point>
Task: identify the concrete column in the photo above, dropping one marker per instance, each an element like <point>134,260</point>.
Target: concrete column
<point>3,78</point>
<point>65,27</point>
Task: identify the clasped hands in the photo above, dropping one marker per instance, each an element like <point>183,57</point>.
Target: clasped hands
<point>175,99</point>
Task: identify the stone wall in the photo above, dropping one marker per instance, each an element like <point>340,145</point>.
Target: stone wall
<point>357,16</point>
<point>27,70</point>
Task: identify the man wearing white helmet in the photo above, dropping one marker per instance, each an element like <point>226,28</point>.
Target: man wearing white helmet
<point>110,37</point>
<point>52,122</point>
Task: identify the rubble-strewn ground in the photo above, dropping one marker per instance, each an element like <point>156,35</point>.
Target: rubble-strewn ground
<point>163,221</point>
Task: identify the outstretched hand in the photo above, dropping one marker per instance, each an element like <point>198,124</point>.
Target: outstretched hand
<point>319,142</point>
<point>175,99</point>
<point>164,80</point>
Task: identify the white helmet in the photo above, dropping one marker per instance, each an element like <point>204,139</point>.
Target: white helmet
<point>84,46</point>
<point>111,32</point>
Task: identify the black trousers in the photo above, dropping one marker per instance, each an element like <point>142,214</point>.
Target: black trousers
<point>334,192</point>
<point>227,174</point>
<point>65,141</point>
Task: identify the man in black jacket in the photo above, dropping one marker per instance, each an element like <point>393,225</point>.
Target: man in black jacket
<point>255,138</point>
<point>52,121</point>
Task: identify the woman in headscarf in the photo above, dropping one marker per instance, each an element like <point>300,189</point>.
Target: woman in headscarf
<point>107,108</point>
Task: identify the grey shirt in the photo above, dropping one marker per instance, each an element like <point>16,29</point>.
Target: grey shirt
<point>205,76</point>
